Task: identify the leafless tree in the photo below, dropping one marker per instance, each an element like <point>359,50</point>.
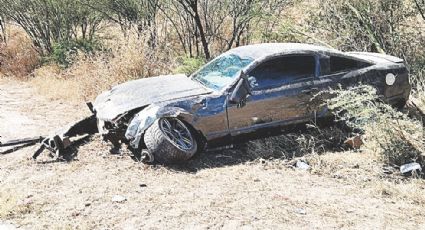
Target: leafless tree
<point>191,7</point>
<point>182,25</point>
<point>129,14</point>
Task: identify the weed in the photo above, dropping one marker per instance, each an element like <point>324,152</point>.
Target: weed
<point>394,136</point>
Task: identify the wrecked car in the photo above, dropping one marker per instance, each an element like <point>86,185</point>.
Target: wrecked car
<point>244,92</point>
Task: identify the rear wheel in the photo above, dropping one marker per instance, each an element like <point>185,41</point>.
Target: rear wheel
<point>169,140</point>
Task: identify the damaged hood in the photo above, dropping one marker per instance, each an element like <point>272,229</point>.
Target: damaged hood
<point>140,93</point>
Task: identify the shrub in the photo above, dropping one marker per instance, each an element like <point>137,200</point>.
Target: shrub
<point>18,57</point>
<point>53,21</point>
<point>386,26</point>
<point>64,53</point>
<point>126,59</point>
<point>189,65</point>
<point>395,137</point>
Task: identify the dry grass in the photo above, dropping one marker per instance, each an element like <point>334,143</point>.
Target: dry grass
<point>126,59</point>
<point>13,205</point>
<point>50,82</point>
<point>394,136</point>
<point>18,58</point>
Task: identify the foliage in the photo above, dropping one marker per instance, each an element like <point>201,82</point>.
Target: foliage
<point>18,58</point>
<point>392,134</point>
<point>189,65</point>
<point>65,52</point>
<point>385,26</point>
<point>48,22</point>
<point>141,14</point>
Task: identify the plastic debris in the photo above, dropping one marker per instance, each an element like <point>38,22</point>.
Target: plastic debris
<point>301,211</point>
<point>118,199</point>
<point>302,165</point>
<point>408,168</point>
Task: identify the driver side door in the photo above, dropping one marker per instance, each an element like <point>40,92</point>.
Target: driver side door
<point>281,91</point>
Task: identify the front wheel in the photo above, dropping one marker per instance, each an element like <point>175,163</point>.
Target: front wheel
<point>169,140</point>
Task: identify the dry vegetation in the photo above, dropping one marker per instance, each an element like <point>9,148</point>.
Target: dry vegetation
<point>254,185</point>
<point>127,59</point>
<point>18,58</point>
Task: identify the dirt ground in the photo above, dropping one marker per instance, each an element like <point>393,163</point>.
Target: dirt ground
<point>220,190</point>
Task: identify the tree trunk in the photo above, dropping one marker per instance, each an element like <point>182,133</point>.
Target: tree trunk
<point>202,35</point>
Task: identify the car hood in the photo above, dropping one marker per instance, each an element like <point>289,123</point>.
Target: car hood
<point>140,93</point>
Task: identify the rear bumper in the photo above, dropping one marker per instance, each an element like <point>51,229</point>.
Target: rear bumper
<point>398,100</point>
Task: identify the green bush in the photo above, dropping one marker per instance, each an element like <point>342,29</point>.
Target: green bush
<point>189,65</point>
<point>65,52</point>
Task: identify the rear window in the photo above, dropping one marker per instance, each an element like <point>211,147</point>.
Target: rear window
<point>342,64</point>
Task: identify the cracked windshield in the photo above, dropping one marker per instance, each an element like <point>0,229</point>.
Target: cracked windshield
<point>221,71</point>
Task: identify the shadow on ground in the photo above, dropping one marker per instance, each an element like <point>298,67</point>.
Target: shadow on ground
<point>306,139</point>
<point>300,140</point>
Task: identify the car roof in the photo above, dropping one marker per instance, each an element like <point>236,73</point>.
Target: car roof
<point>263,50</point>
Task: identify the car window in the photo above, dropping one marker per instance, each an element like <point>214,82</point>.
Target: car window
<point>343,64</point>
<point>221,71</point>
<point>283,70</point>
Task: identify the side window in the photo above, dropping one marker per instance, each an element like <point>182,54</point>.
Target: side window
<point>284,70</point>
<point>342,64</point>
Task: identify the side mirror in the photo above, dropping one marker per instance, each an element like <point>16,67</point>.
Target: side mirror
<point>241,91</point>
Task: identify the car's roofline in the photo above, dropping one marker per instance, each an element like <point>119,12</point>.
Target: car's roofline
<point>262,50</point>
<point>266,51</point>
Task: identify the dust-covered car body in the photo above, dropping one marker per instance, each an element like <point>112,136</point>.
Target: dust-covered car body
<point>248,89</point>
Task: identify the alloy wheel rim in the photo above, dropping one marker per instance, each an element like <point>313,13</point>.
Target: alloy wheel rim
<point>177,132</point>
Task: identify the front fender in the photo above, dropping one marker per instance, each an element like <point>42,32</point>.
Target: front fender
<point>145,118</point>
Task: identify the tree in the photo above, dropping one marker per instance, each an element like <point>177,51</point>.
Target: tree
<point>182,24</point>
<point>220,23</point>
<point>49,22</point>
<point>191,7</point>
<point>130,14</point>
<point>383,26</point>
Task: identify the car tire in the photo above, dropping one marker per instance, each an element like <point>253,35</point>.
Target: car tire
<point>163,142</point>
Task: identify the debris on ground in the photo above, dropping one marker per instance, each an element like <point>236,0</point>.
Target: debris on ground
<point>410,168</point>
<point>388,170</point>
<point>301,211</point>
<point>118,199</point>
<point>302,165</point>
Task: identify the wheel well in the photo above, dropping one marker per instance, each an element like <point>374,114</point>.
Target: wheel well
<point>199,136</point>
